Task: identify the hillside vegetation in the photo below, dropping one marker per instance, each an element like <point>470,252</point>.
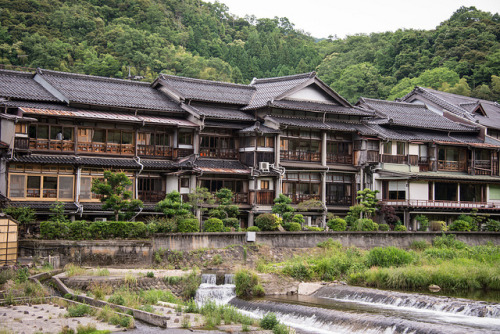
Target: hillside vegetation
<point>203,40</point>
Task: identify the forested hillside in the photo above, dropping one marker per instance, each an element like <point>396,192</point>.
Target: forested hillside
<point>203,40</point>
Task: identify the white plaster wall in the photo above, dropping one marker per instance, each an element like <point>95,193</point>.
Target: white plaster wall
<point>8,132</point>
<point>310,93</point>
<point>413,149</point>
<point>419,190</point>
<point>271,183</point>
<point>172,183</point>
<point>377,185</point>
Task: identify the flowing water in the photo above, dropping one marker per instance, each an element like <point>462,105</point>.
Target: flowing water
<point>209,290</point>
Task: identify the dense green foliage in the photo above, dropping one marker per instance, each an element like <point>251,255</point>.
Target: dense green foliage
<point>23,215</point>
<point>188,225</point>
<point>247,284</point>
<point>388,257</point>
<point>266,222</point>
<point>83,230</point>
<point>337,224</point>
<point>213,225</point>
<point>204,40</point>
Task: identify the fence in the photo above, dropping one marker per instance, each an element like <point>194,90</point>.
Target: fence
<point>8,241</point>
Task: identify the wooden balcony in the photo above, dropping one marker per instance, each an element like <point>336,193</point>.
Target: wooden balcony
<point>341,201</point>
<point>184,152</point>
<point>300,156</point>
<point>51,145</point>
<point>21,143</point>
<point>451,166</point>
<point>106,148</point>
<point>423,164</point>
<point>372,156</point>
<point>298,198</point>
<point>265,197</point>
<point>413,160</point>
<point>219,153</point>
<point>338,159</point>
<point>151,196</point>
<point>156,151</point>
<point>394,159</point>
<point>416,203</point>
<point>482,167</point>
<point>240,198</point>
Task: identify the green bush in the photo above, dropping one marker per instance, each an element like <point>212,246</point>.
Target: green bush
<point>78,310</point>
<point>166,225</point>
<point>388,257</point>
<point>116,299</point>
<point>258,291</point>
<point>400,228</point>
<point>253,229</point>
<point>448,241</point>
<point>54,230</point>
<point>492,225</point>
<point>281,329</point>
<point>423,222</point>
<point>232,222</point>
<point>269,321</point>
<point>213,225</point>
<point>298,271</point>
<point>383,227</point>
<point>460,225</point>
<point>79,230</point>
<point>267,222</point>
<point>245,282</point>
<point>419,245</point>
<point>337,224</point>
<point>313,228</point>
<point>437,225</point>
<point>23,215</point>
<point>294,227</point>
<point>364,224</point>
<point>83,230</point>
<point>188,225</point>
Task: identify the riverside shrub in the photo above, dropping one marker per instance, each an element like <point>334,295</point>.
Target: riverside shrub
<point>388,257</point>
<point>384,227</point>
<point>364,224</point>
<point>83,230</point>
<point>231,222</point>
<point>337,224</point>
<point>246,282</point>
<point>294,227</point>
<point>188,225</point>
<point>459,225</point>
<point>253,229</point>
<point>266,222</point>
<point>213,225</point>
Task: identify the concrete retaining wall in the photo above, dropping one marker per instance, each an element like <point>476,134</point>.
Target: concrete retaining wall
<point>91,252</point>
<point>192,241</point>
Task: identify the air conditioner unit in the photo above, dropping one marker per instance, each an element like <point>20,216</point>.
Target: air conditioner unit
<point>264,166</point>
<point>100,219</point>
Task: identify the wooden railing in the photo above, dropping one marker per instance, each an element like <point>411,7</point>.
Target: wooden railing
<point>417,203</point>
<point>335,200</point>
<point>423,164</point>
<point>298,198</point>
<point>265,197</point>
<point>449,165</point>
<point>413,160</point>
<point>219,153</point>
<point>51,145</point>
<point>372,156</point>
<point>482,167</point>
<point>340,159</point>
<point>151,196</point>
<point>156,151</point>
<point>240,198</point>
<point>265,156</point>
<point>394,159</point>
<point>300,156</point>
<point>109,148</point>
<point>21,143</point>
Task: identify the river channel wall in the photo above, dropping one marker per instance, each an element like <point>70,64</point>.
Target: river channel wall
<point>140,252</point>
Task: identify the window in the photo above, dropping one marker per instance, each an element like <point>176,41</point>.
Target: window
<point>397,190</point>
<point>85,187</point>
<point>17,185</point>
<point>372,145</point>
<point>236,186</point>
<point>185,138</point>
<point>264,184</point>
<point>265,141</point>
<point>33,186</point>
<point>400,148</point>
<point>387,147</point>
<point>184,182</point>
<point>66,187</point>
<point>21,128</point>
<point>41,186</point>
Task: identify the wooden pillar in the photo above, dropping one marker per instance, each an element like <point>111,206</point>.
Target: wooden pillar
<point>323,148</point>
<point>473,162</point>
<point>277,148</point>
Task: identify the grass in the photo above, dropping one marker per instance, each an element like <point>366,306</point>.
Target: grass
<point>99,291</point>
<point>73,270</point>
<point>79,310</point>
<point>214,314</point>
<point>449,263</point>
<point>101,272</point>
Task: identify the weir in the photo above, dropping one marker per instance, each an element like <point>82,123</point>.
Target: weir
<point>209,290</point>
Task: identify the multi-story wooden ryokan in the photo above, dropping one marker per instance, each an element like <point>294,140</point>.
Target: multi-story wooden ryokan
<point>292,135</point>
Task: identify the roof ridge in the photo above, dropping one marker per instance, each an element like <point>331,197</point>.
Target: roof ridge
<point>211,82</point>
<point>367,99</point>
<point>307,75</point>
<point>30,74</point>
<point>91,77</point>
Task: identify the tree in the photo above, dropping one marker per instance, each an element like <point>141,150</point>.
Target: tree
<point>173,207</point>
<point>115,195</point>
<point>226,208</point>
<point>283,208</point>
<point>199,197</point>
<point>368,202</point>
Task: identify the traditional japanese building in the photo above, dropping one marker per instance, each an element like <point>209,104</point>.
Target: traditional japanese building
<point>292,135</point>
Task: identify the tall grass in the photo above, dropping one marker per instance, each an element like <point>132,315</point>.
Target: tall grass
<point>73,270</point>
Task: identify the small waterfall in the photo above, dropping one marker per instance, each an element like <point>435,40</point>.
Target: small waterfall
<point>209,290</point>
<point>229,279</point>
<point>400,300</point>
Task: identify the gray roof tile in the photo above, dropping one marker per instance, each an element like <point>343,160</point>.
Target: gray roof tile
<point>222,112</point>
<point>303,122</point>
<point>259,128</point>
<point>321,107</point>
<point>208,91</point>
<point>406,134</point>
<point>412,115</point>
<point>87,89</point>
<point>20,85</point>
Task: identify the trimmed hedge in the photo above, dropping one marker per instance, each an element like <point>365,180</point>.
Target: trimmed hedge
<point>213,225</point>
<point>83,230</point>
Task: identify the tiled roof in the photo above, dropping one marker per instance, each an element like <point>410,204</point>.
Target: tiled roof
<point>225,124</point>
<point>215,166</point>
<point>83,161</point>
<point>109,116</point>
<point>259,128</point>
<point>222,112</point>
<point>38,105</point>
<point>303,122</point>
<point>461,105</point>
<point>87,89</point>
<point>321,107</point>
<point>406,134</point>
<point>20,85</point>
<point>158,164</point>
<point>269,88</point>
<point>412,115</point>
<point>206,90</point>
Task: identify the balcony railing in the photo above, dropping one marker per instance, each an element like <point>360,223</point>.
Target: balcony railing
<point>156,151</point>
<point>219,153</point>
<point>298,198</point>
<point>339,159</point>
<point>372,156</point>
<point>394,159</point>
<point>240,198</point>
<point>109,148</point>
<point>21,143</point>
<point>336,200</point>
<point>265,197</point>
<point>417,203</point>
<point>51,145</point>
<point>300,156</point>
<point>423,164</point>
<point>482,167</point>
<point>151,196</point>
<point>449,165</point>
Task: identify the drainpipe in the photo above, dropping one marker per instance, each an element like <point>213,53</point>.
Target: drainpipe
<point>138,160</point>
<point>78,187</point>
